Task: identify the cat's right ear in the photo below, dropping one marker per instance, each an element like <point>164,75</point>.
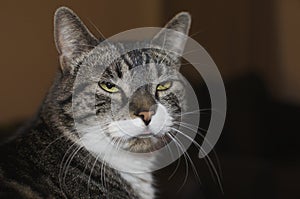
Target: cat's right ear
<point>72,38</point>
<point>173,36</point>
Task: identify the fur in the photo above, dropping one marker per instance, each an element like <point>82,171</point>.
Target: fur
<point>50,159</point>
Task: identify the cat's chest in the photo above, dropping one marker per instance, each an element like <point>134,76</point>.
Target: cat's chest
<point>130,170</point>
<point>141,183</point>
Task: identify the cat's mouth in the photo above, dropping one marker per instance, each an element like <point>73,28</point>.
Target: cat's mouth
<point>145,135</point>
<point>146,142</point>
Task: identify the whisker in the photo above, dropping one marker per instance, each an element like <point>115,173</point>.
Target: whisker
<point>186,162</point>
<point>188,63</point>
<point>193,166</point>
<point>86,166</point>
<point>68,162</point>
<point>196,33</point>
<point>105,163</point>
<point>62,163</point>
<point>97,29</point>
<point>91,172</point>
<point>47,147</point>
<point>178,162</point>
<point>215,172</point>
<point>67,156</point>
<point>191,51</point>
<point>185,125</point>
<point>166,143</point>
<point>199,111</point>
<point>177,166</point>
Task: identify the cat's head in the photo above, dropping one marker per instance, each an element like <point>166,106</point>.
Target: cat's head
<point>138,96</point>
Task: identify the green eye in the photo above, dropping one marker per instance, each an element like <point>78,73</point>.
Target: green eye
<point>109,87</point>
<point>163,86</point>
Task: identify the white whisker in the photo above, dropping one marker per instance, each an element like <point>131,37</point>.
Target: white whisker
<point>215,172</point>
<point>186,162</point>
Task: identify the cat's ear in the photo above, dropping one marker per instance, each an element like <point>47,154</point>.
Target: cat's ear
<point>175,33</point>
<point>72,38</point>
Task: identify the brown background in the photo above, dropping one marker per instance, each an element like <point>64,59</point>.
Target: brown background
<point>255,44</point>
<point>242,36</point>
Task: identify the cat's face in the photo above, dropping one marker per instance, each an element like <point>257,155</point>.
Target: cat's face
<point>142,99</point>
<point>137,98</point>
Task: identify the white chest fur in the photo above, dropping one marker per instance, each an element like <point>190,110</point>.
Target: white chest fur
<point>141,183</point>
<point>132,168</point>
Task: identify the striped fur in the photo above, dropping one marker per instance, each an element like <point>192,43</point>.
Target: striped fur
<point>47,158</point>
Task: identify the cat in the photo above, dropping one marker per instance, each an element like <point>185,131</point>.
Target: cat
<point>46,158</point>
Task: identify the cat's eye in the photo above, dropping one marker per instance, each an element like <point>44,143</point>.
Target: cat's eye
<point>109,87</point>
<point>163,86</point>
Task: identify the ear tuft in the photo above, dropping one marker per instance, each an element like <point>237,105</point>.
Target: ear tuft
<point>72,38</point>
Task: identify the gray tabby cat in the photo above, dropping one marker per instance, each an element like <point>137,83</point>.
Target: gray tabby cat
<point>46,159</point>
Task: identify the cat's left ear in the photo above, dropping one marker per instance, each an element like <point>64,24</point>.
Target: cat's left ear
<point>175,33</point>
<point>72,38</point>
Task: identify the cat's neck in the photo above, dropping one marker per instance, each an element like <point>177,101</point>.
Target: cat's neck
<point>141,182</point>
<point>134,168</point>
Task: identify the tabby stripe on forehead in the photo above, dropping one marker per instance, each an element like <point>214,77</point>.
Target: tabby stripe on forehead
<point>147,58</point>
<point>108,72</point>
<point>161,59</point>
<point>119,70</point>
<point>128,61</point>
<point>144,60</point>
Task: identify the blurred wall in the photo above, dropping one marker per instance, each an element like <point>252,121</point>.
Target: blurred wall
<point>242,36</point>
<point>250,36</point>
<point>223,28</point>
<point>289,50</point>
<point>28,55</point>
<point>276,46</point>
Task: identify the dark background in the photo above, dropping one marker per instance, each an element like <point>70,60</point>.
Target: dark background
<point>256,47</point>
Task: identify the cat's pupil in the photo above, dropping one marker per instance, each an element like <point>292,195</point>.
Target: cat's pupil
<point>109,85</point>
